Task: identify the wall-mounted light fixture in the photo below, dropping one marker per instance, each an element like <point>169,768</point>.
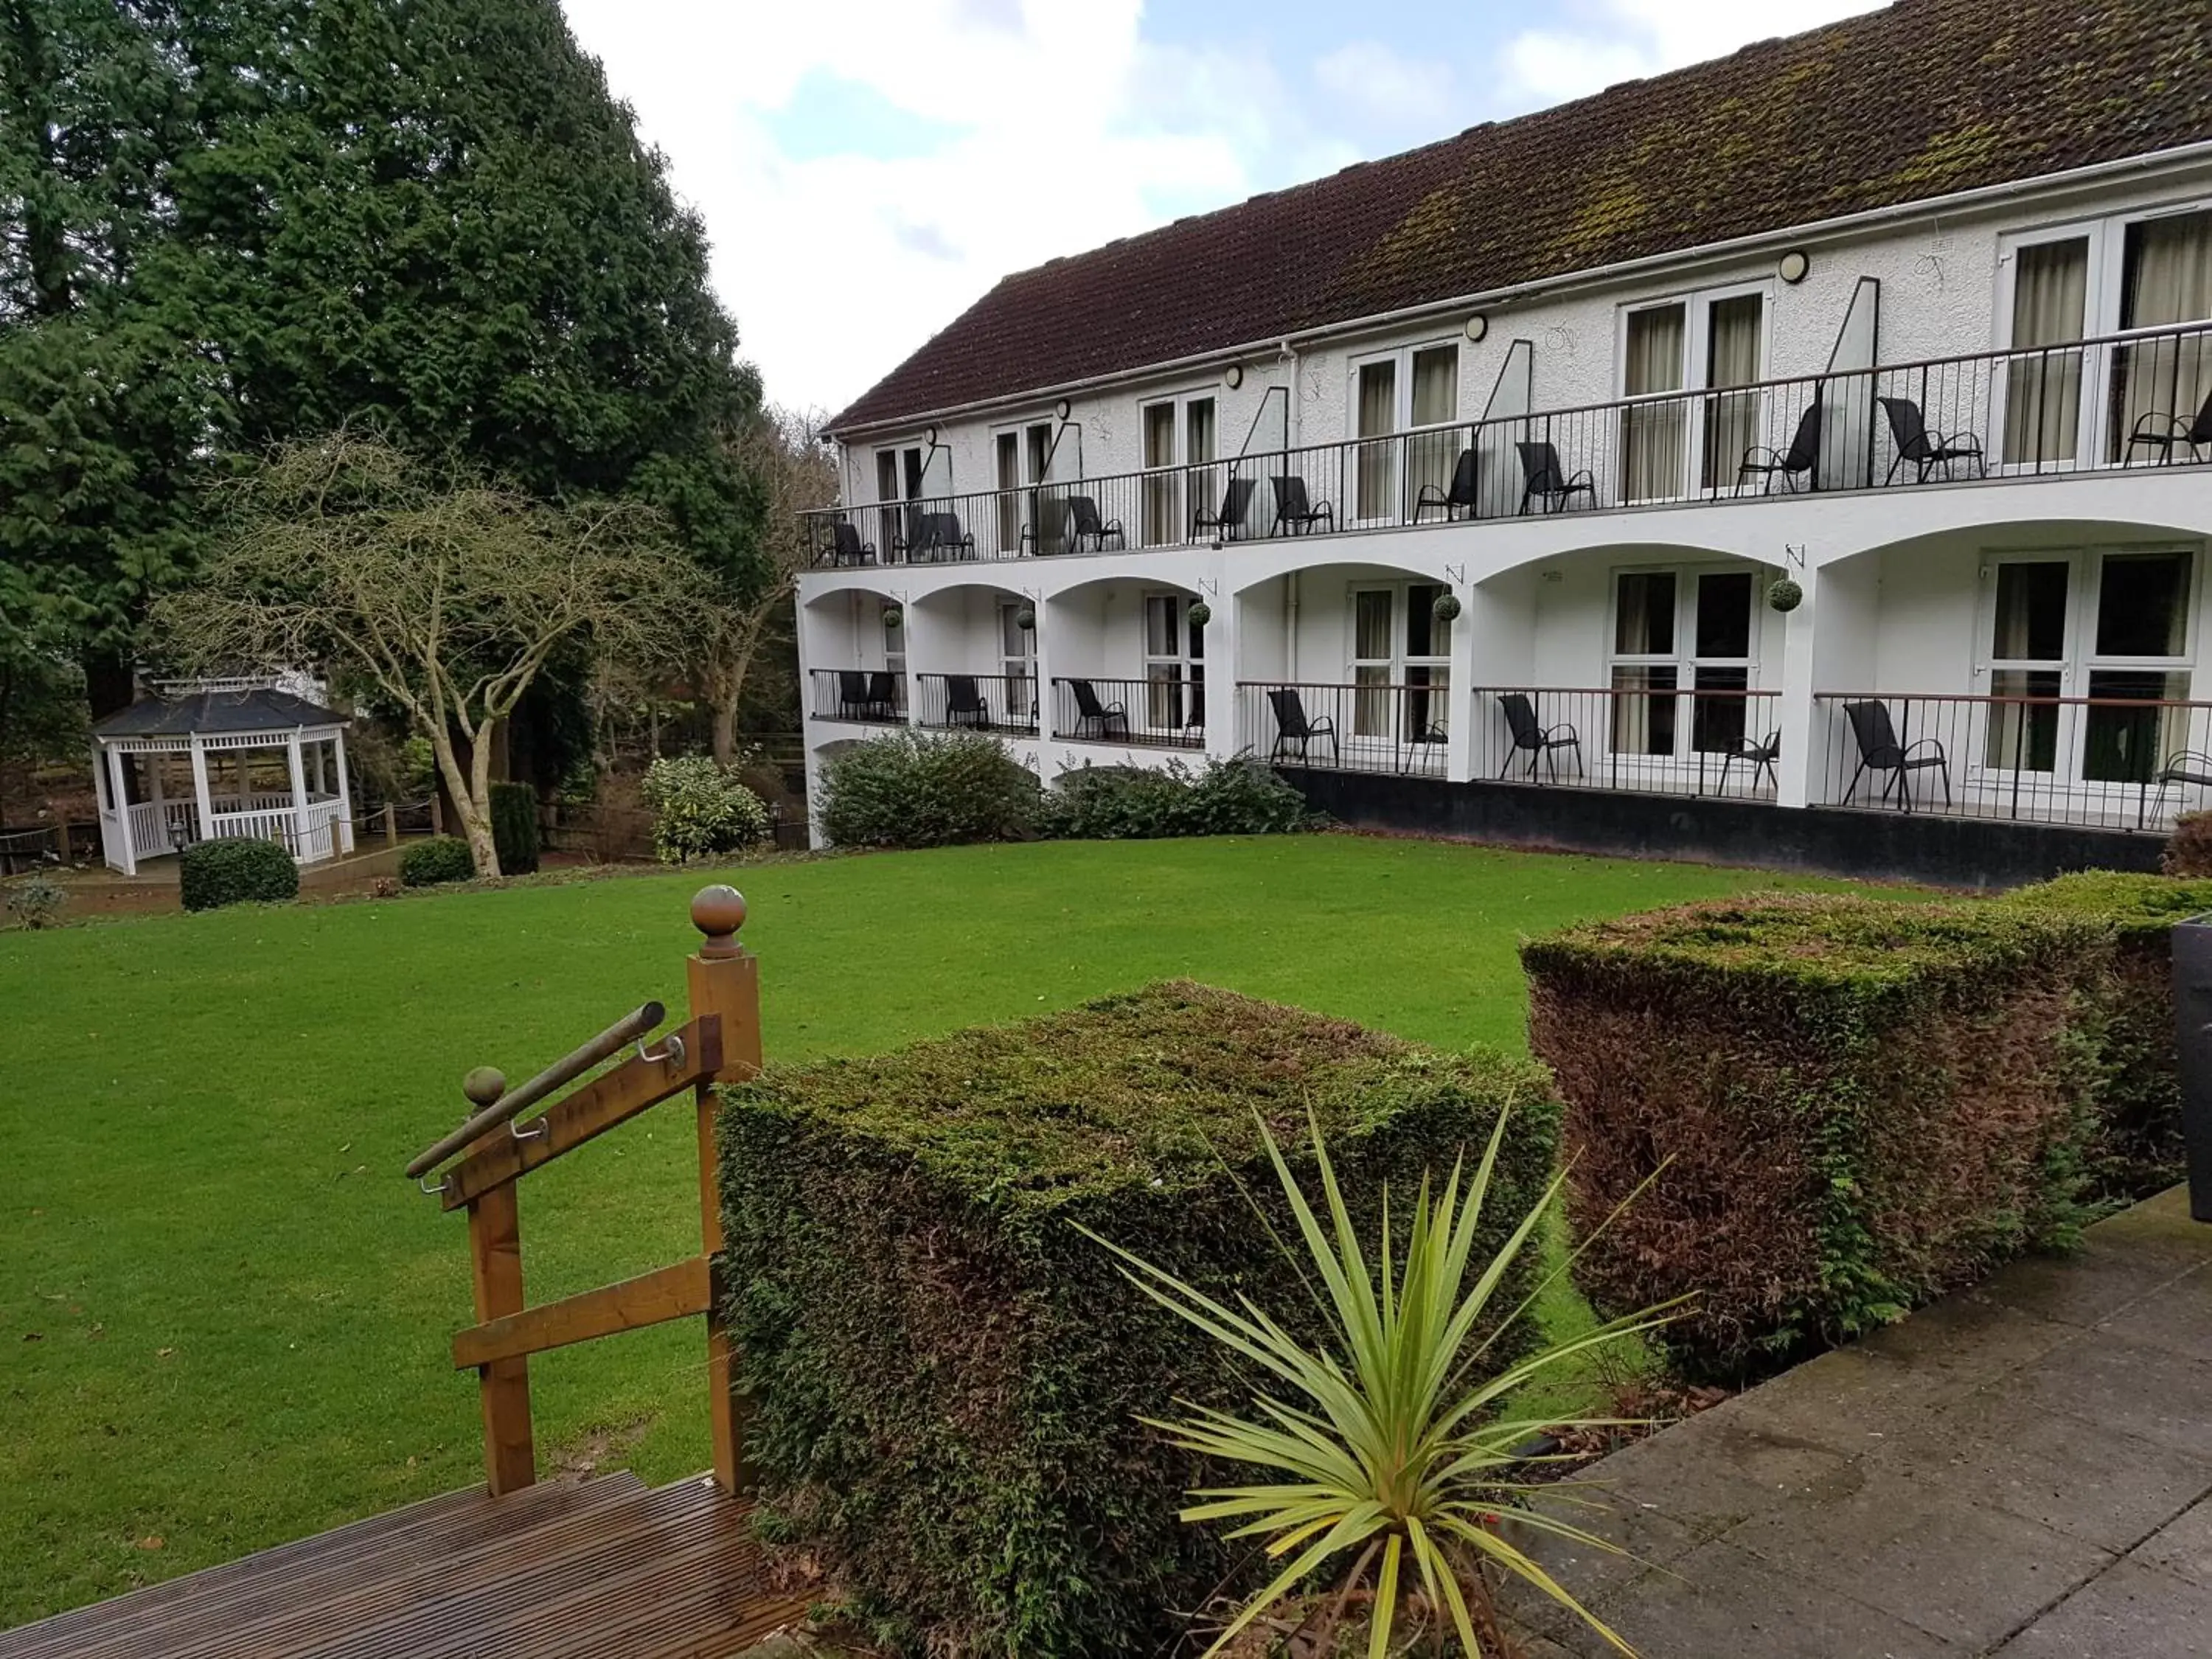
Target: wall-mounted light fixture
<point>929,436</point>
<point>1794,266</point>
<point>1063,409</point>
<point>1233,376</point>
<point>1477,327</point>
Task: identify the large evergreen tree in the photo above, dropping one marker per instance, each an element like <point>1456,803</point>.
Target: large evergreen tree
<point>237,222</point>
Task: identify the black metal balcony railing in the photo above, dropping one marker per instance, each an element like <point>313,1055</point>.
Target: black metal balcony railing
<point>869,696</point>
<point>977,702</point>
<point>1662,731</point>
<point>2142,398</point>
<point>2104,762</point>
<point>1378,726</point>
<point>1167,711</point>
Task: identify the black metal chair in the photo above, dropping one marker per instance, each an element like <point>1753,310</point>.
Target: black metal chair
<point>936,536</point>
<point>845,546</point>
<point>1880,751</point>
<point>1924,450</point>
<point>1236,507</point>
<point>1760,756</point>
<point>1293,511</point>
<point>2168,432</point>
<point>1095,717</point>
<point>1540,742</point>
<point>854,702</point>
<point>884,693</point>
<point>1548,482</point>
<point>1292,727</point>
<point>964,704</point>
<point>1466,483</point>
<point>1801,460</point>
<point>1084,524</point>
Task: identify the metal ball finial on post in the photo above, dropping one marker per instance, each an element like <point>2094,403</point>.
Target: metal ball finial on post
<point>718,912</point>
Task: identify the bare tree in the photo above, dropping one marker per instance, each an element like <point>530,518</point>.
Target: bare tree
<point>444,589</point>
<point>782,451</point>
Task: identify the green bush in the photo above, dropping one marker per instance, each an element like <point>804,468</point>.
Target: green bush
<point>214,873</point>
<point>1239,797</point>
<point>1859,1105</point>
<point>942,1375</point>
<point>701,808</point>
<point>514,827</point>
<point>911,789</point>
<point>2139,1150</point>
<point>440,859</point>
<point>36,901</point>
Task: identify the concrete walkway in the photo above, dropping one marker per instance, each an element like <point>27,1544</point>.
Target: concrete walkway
<point>2024,1469</point>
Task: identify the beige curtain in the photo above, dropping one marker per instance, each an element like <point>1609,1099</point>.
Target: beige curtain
<point>2042,393</point>
<point>1162,491</point>
<point>1431,455</point>
<point>1378,418</point>
<point>2168,281</point>
<point>1009,481</point>
<point>1654,450</point>
<point>1371,613</point>
<point>1737,330</point>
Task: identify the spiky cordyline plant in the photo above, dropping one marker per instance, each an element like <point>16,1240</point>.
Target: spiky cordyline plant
<point>1394,1456</point>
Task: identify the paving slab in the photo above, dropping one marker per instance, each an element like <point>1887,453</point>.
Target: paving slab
<point>2023,1469</point>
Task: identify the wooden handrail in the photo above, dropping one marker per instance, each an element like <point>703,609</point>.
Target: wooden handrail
<point>721,1043</point>
<point>505,1103</point>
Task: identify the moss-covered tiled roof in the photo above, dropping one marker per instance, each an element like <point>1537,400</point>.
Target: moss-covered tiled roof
<point>1925,99</point>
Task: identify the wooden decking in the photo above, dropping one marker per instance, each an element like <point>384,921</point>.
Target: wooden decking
<point>604,1566</point>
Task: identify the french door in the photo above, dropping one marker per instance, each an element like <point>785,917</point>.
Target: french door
<point>1398,641</point>
<point>1688,426</point>
<point>1175,666</point>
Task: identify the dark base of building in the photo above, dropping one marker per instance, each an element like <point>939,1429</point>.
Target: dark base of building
<point>1919,846</point>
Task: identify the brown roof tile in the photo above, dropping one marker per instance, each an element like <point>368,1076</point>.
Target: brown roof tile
<point>1927,97</point>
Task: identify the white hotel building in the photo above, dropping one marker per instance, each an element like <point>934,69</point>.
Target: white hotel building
<point>1802,458</point>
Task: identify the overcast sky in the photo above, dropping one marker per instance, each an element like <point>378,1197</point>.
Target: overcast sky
<point>866,168</point>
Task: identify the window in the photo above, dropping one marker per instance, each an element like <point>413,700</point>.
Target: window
<point>1708,343</point>
<point>2043,393</point>
<point>1398,641</point>
<point>1677,631</point>
<point>899,474</point>
<point>1178,437</point>
<point>2166,280</point>
<point>1024,460</point>
<point>1175,665</point>
<point>2111,627</point>
<point>1007,468</point>
<point>1017,661</point>
<point>1414,393</point>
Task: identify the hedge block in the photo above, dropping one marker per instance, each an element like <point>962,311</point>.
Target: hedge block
<point>943,1376</point>
<point>1858,1105</point>
<point>233,870</point>
<point>2140,1148</point>
<point>439,859</point>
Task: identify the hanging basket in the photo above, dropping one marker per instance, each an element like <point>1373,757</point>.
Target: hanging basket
<point>1200,613</point>
<point>894,618</point>
<point>1445,608</point>
<point>1785,596</point>
<point>1025,618</point>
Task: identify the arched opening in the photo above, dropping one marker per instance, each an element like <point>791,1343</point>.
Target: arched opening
<point>973,658</point>
<point>1126,658</point>
<point>855,638</point>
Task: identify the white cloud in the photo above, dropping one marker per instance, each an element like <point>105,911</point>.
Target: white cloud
<point>1604,42</point>
<point>1388,88</point>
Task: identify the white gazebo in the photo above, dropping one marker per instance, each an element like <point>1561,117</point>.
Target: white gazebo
<point>202,761</point>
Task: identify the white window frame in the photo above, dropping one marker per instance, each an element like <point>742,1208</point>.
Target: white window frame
<point>1436,713</point>
<point>1684,757</point>
<point>1402,428</point>
<point>1697,355</point>
<point>1171,491</point>
<point>1157,715</point>
<point>2085,582</point>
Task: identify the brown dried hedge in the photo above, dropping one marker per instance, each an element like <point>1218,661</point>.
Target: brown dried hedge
<point>1860,1104</point>
<point>2139,1150</point>
<point>943,1376</point>
<point>2189,848</point>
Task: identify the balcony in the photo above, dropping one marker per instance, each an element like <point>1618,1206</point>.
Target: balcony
<point>978,703</point>
<point>859,697</point>
<point>1164,712</point>
<point>2134,400</point>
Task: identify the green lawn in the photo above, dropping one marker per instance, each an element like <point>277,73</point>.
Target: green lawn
<point>224,1315</point>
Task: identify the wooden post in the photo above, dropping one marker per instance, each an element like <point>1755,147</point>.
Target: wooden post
<point>437,815</point>
<point>390,826</point>
<point>496,1267</point>
<point>723,978</point>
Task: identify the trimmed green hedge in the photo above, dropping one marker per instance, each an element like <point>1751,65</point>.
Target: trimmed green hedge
<point>514,827</point>
<point>2139,1150</point>
<point>943,1376</point>
<point>926,789</point>
<point>1859,1105</point>
<point>439,859</point>
<point>236,871</point>
<point>1238,797</point>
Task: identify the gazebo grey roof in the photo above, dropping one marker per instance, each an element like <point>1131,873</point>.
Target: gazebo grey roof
<point>215,714</point>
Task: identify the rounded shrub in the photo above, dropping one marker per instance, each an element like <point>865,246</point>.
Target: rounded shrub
<point>440,859</point>
<point>1237,797</point>
<point>701,808</point>
<point>37,901</point>
<point>213,874</point>
<point>514,827</point>
<point>912,790</point>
